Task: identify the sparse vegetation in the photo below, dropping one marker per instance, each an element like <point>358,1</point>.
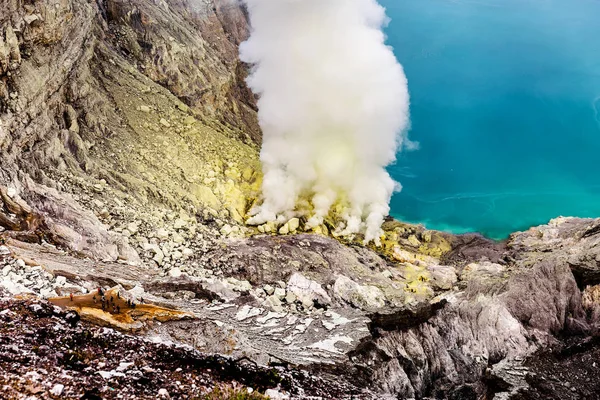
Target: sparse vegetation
<point>230,393</point>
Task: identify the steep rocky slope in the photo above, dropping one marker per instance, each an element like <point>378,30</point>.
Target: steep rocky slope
<point>145,98</point>
<point>129,158</point>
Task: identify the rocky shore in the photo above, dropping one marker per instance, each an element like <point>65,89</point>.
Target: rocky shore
<point>129,148</point>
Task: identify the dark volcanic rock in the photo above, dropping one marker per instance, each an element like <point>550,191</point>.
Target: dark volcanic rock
<point>473,248</point>
<point>570,372</point>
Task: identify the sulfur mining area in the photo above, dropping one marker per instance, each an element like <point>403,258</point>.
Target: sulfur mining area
<point>129,161</point>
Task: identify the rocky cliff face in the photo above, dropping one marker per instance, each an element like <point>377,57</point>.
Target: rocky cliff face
<point>145,98</point>
<point>129,159</point>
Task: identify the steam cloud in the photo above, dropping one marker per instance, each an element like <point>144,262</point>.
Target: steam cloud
<point>333,108</point>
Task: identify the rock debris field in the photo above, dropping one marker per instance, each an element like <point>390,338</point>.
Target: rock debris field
<point>48,353</point>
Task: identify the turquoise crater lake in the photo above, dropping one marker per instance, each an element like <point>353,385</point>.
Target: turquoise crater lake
<point>505,103</point>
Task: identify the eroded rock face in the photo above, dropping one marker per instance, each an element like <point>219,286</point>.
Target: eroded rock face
<point>190,47</point>
<point>104,100</point>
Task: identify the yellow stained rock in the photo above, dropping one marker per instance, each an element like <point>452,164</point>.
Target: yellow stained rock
<point>205,196</point>
<point>248,174</point>
<point>414,273</point>
<point>126,317</point>
<point>284,230</point>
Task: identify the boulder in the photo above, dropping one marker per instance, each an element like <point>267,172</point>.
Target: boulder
<point>132,228</point>
<point>239,286</point>
<point>293,224</point>
<point>290,298</point>
<point>274,302</point>
<point>269,289</point>
<point>442,277</point>
<point>175,273</point>
<point>162,233</point>
<point>60,280</point>
<point>412,239</point>
<point>280,293</point>
<point>365,297</point>
<point>179,224</point>
<point>6,270</point>
<point>307,291</point>
<point>284,230</point>
<point>14,287</point>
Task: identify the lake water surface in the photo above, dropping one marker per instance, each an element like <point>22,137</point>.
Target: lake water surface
<point>506,107</point>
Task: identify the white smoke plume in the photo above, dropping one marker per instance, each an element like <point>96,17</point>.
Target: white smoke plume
<point>333,107</point>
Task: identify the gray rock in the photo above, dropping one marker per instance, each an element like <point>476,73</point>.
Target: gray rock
<point>247,312</point>
<point>387,274</point>
<point>274,303</point>
<point>132,228</point>
<point>290,298</point>
<point>57,389</point>
<point>226,230</point>
<point>279,293</point>
<point>365,297</point>
<point>179,223</point>
<point>276,395</point>
<point>162,233</point>
<point>239,286</point>
<point>156,251</point>
<point>307,291</point>
<point>47,293</point>
<point>512,298</point>
<point>443,277</point>
<point>177,238</point>
<point>60,280</point>
<point>14,287</point>
<point>269,290</point>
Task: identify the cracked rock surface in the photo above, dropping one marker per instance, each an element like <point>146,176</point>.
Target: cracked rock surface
<point>47,353</point>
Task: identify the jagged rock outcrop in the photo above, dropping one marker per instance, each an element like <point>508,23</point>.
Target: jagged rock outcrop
<point>470,340</point>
